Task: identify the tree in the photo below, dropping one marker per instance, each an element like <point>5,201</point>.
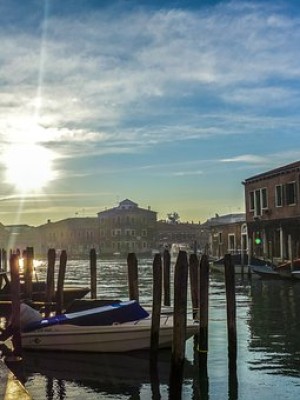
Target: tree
<point>173,218</point>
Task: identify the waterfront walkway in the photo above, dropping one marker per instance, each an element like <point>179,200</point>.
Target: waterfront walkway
<point>10,387</point>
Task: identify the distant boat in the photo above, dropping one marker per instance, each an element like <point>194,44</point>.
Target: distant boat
<point>242,263</point>
<point>101,330</point>
<point>266,272</point>
<point>282,271</point>
<point>296,274</point>
<point>176,247</point>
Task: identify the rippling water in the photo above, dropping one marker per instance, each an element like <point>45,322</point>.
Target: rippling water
<point>268,365</point>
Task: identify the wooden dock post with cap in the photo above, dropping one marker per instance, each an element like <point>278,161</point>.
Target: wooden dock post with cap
<point>132,265</point>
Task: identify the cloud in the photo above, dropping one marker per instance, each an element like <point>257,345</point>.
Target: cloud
<point>246,158</point>
<point>124,80</point>
<point>186,173</point>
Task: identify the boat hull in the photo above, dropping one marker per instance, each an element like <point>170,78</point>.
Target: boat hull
<point>238,269</point>
<point>241,264</point>
<point>70,293</point>
<point>267,272</point>
<point>124,337</point>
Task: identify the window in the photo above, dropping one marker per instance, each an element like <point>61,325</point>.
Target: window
<point>258,201</point>
<point>257,210</point>
<point>251,201</point>
<point>264,198</point>
<point>220,237</point>
<point>231,242</point>
<point>278,196</point>
<point>290,190</point>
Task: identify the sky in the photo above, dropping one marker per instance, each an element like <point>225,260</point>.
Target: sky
<point>171,104</point>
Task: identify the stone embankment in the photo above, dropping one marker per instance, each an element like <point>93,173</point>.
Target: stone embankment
<point>10,387</point>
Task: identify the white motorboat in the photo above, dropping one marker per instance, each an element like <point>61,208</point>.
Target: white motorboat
<point>87,331</point>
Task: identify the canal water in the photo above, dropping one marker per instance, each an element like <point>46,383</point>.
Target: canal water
<point>268,364</point>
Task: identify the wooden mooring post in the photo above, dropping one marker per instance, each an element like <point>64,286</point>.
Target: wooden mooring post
<point>132,265</point>
<point>15,305</point>
<point>93,273</point>
<point>166,277</point>
<point>203,308</point>
<point>194,282</point>
<point>231,311</point>
<point>60,282</point>
<point>28,271</point>
<point>3,260</point>
<point>179,325</point>
<point>50,286</point>
<point>156,308</point>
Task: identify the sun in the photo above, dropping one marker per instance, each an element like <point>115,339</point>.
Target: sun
<point>29,167</point>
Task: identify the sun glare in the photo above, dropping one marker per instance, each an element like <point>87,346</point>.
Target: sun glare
<point>28,166</point>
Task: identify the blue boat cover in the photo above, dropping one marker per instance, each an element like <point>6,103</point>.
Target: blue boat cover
<point>107,315</point>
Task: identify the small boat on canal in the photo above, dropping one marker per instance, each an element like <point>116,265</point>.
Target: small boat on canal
<point>119,327</point>
<point>267,272</point>
<point>283,271</point>
<point>39,289</point>
<point>242,263</point>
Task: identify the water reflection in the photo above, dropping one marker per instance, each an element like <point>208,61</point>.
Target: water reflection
<point>268,344</point>
<point>122,374</point>
<point>274,321</point>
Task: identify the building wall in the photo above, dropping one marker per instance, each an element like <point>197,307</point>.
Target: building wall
<point>127,228</point>
<point>274,230</point>
<point>188,233</point>
<point>229,238</point>
<point>119,230</point>
<point>269,181</point>
<point>75,235</point>
<point>21,236</point>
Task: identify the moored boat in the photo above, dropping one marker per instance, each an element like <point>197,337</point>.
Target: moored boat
<point>97,333</point>
<point>242,263</point>
<point>283,271</point>
<point>296,274</point>
<point>39,290</point>
<point>266,272</point>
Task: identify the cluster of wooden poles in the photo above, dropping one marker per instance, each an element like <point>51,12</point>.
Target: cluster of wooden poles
<point>198,272</point>
<point>48,304</point>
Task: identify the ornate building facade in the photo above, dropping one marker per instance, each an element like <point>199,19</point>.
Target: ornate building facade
<point>127,228</point>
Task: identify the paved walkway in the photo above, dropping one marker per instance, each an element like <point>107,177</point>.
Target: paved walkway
<point>10,387</point>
